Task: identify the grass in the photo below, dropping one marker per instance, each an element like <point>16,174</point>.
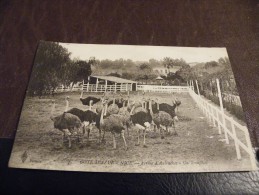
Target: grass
<point>197,142</point>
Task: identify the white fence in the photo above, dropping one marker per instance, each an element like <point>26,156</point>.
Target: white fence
<point>226,124</point>
<point>162,89</point>
<point>66,89</point>
<point>104,88</point>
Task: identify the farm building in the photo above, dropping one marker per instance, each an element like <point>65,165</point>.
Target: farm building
<point>108,83</point>
<point>161,70</point>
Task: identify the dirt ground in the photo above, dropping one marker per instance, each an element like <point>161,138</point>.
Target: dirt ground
<point>197,148</point>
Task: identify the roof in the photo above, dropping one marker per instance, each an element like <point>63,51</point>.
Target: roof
<point>159,78</point>
<point>114,79</point>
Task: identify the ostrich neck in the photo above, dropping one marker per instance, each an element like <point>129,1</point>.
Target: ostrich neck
<point>67,105</point>
<point>131,111</point>
<point>102,113</point>
<point>52,111</point>
<point>106,107</point>
<point>150,111</point>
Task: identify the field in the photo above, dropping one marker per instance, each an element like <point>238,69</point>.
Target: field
<point>197,148</point>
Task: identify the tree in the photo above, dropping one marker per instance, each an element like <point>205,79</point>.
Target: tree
<point>48,68</point>
<point>80,70</point>
<point>170,62</point>
<point>115,74</point>
<point>211,64</point>
<point>186,73</point>
<point>145,72</point>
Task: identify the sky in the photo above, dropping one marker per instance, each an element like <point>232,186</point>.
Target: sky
<point>144,53</point>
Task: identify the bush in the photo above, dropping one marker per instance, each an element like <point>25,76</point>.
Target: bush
<point>236,110</point>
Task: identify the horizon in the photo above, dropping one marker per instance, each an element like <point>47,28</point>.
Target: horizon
<point>144,52</point>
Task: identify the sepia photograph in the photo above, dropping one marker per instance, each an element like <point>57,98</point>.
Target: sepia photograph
<point>132,109</point>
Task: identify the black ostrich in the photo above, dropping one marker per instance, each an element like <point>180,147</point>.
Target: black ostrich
<point>86,101</point>
<point>162,119</point>
<point>141,120</point>
<point>167,108</point>
<point>118,101</point>
<point>88,117</point>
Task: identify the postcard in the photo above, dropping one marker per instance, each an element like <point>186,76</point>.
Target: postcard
<point>132,109</point>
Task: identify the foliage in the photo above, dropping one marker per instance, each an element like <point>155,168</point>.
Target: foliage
<point>50,60</point>
<point>53,67</point>
<point>115,74</point>
<point>211,64</point>
<point>236,110</point>
<point>170,62</point>
<point>145,72</point>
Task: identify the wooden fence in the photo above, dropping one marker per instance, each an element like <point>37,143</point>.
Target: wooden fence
<point>227,124</point>
<point>104,88</point>
<point>162,89</point>
<point>68,89</point>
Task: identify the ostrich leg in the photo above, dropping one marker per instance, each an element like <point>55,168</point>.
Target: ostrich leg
<point>144,142</point>
<point>127,127</point>
<point>103,136</point>
<point>161,133</point>
<point>84,129</point>
<point>114,140</point>
<point>69,141</point>
<point>175,133</point>
<point>168,130</point>
<point>137,144</point>
<point>123,137</point>
<point>63,138</point>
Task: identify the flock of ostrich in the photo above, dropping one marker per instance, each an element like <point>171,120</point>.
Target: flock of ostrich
<point>116,115</point>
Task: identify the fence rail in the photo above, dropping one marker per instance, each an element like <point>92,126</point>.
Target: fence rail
<point>219,119</point>
<point>103,88</point>
<point>162,89</point>
<point>66,89</point>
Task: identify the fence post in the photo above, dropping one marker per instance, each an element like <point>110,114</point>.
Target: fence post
<point>96,89</point>
<point>88,79</point>
<point>82,89</point>
<point>197,87</point>
<point>192,86</point>
<point>115,87</point>
<point>105,85</point>
<point>218,122</point>
<point>213,118</point>
<point>235,139</point>
<point>222,111</point>
<point>250,148</point>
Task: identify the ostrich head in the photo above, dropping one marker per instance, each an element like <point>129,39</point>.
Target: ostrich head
<point>67,103</point>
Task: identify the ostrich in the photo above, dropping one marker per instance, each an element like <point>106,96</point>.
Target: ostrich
<point>86,101</point>
<point>162,119</point>
<point>88,117</point>
<point>126,116</point>
<point>140,106</point>
<point>141,120</point>
<point>117,101</point>
<point>112,108</point>
<point>113,124</point>
<point>177,103</point>
<point>156,107</point>
<point>66,121</point>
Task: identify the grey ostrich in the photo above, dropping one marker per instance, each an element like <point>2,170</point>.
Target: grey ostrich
<point>113,124</point>
<point>66,121</point>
